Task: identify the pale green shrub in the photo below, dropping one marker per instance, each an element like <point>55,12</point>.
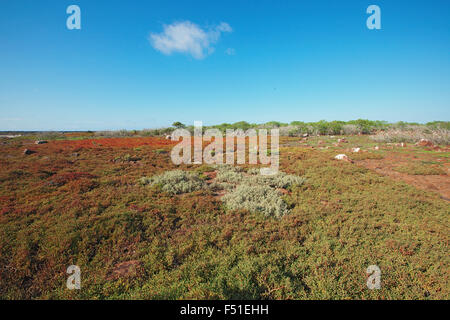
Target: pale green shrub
<point>414,134</point>
<point>256,198</point>
<point>229,174</point>
<point>279,180</point>
<point>50,135</point>
<point>115,133</point>
<point>349,129</point>
<point>253,171</point>
<point>176,181</point>
<point>245,190</point>
<point>255,192</point>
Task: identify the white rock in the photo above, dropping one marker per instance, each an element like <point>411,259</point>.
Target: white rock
<point>341,157</point>
<point>356,149</point>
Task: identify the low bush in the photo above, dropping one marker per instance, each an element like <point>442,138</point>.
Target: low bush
<point>50,135</point>
<point>115,133</point>
<point>279,180</point>
<point>229,174</point>
<point>176,181</point>
<point>413,134</point>
<point>256,198</point>
<point>349,129</point>
<point>254,192</point>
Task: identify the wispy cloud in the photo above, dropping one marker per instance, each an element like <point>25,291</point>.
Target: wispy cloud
<point>230,51</point>
<point>187,37</point>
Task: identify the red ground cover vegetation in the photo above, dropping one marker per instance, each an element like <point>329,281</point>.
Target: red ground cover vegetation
<point>80,202</point>
<point>113,143</point>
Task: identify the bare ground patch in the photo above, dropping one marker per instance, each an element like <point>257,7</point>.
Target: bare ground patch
<point>388,166</point>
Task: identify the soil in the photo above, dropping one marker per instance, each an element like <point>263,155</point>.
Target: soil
<point>385,166</point>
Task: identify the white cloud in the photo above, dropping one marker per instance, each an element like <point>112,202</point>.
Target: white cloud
<point>230,51</point>
<point>187,37</point>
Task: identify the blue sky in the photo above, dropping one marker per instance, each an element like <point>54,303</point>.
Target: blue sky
<point>290,60</point>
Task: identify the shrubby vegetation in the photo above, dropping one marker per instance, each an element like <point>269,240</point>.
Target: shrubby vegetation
<point>255,192</point>
<point>413,134</point>
<point>256,198</point>
<point>245,190</point>
<point>176,181</point>
<point>116,133</point>
<point>359,126</point>
<point>58,209</point>
<point>295,128</point>
<point>279,180</point>
<point>131,133</point>
<point>229,174</point>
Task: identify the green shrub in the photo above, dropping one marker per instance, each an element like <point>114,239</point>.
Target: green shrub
<point>439,125</point>
<point>176,181</point>
<point>349,129</point>
<point>50,135</point>
<point>229,174</point>
<point>279,180</point>
<point>256,198</point>
<point>115,133</point>
<point>254,192</point>
<point>414,134</point>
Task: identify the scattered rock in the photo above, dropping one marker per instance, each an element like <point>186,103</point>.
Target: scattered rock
<point>376,148</point>
<point>40,142</point>
<point>425,143</point>
<point>343,157</point>
<point>356,149</point>
<point>28,151</point>
<point>342,140</point>
<point>305,135</point>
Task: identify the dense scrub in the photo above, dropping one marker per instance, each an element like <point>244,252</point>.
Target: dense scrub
<point>71,202</point>
<point>293,129</point>
<point>414,134</point>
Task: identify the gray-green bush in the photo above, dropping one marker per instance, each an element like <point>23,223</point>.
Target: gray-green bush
<point>256,198</point>
<point>413,134</point>
<point>255,192</point>
<point>176,181</point>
